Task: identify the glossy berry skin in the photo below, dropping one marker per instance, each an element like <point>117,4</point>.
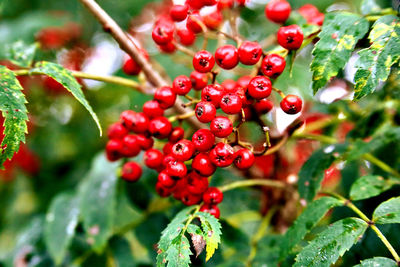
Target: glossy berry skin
<point>131,171</point>
<point>203,140</point>
<point>131,147</point>
<point>249,53</point>
<point>190,199</point>
<point>163,33</point>
<point>176,169</point>
<point>163,191</point>
<point>181,85</point>
<point>116,131</point>
<point>221,126</point>
<point>203,165</point>
<point>165,180</point>
<point>205,111</point>
<point>212,93</point>
<point>130,67</point>
<point>196,184</point>
<point>259,87</point>
<point>291,104</point>
<point>152,109</point>
<point>153,158</point>
<point>213,196</point>
<point>183,150</point>
<point>133,121</point>
<point>186,36</point>
<point>160,127</point>
<point>203,61</point>
<point>199,80</point>
<point>165,96</point>
<point>231,103</point>
<point>212,209</point>
<point>263,106</point>
<point>178,12</point>
<point>145,142</point>
<point>244,159</point>
<point>273,65</point>
<point>227,57</point>
<point>177,134</point>
<point>222,155</point>
<point>278,11</point>
<point>167,148</point>
<point>229,86</point>
<point>224,4</point>
<point>113,149</point>
<point>290,37</point>
<point>192,22</point>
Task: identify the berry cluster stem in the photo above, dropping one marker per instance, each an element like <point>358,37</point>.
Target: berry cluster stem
<point>253,182</point>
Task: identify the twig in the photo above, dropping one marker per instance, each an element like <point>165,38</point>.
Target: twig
<point>253,182</point>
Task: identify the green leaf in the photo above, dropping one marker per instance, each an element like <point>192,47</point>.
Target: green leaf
<point>98,201</point>
<point>370,186</point>
<point>212,232</point>
<point>178,254</point>
<point>311,215</point>
<point>375,62</point>
<point>371,6</point>
<point>21,54</point>
<point>121,251</point>
<point>331,243</point>
<point>12,106</point>
<point>387,212</point>
<point>59,227</point>
<point>340,33</point>
<point>64,77</point>
<point>377,262</point>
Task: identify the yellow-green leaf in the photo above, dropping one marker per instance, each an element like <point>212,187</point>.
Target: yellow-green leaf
<point>212,232</point>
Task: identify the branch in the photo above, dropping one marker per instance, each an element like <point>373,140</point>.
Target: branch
<point>253,182</point>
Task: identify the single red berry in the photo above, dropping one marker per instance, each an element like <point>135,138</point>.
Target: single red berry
<point>152,109</point>
<point>130,67</point>
<point>290,37</point>
<point>278,11</point>
<point>203,139</point>
<point>178,12</point>
<point>213,20</point>
<point>163,32</point>
<point>176,135</point>
<point>160,127</point>
<point>212,93</point>
<point>153,158</point>
<point>116,131</point>
<point>244,159</point>
<point>311,14</point>
<point>203,165</point>
<point>131,171</point>
<point>181,85</point>
<point>196,184</point>
<point>224,4</point>
<point>134,121</point>
<point>163,191</point>
<point>167,148</point>
<point>249,53</point>
<point>203,61</point>
<point>165,180</point>
<point>212,209</point>
<point>145,142</point>
<point>213,196</point>
<point>165,96</point>
<point>190,199</point>
<point>131,147</point>
<point>176,169</point>
<point>227,57</point>
<point>222,155</point>
<point>168,158</point>
<point>183,150</point>
<point>195,4</point>
<point>263,106</point>
<point>168,48</point>
<point>273,65</point>
<point>186,36</point>
<point>205,111</point>
<point>259,87</point>
<point>231,103</point>
<point>229,86</point>
<point>194,21</point>
<point>113,149</point>
<point>209,2</point>
<point>199,80</point>
<point>291,104</point>
<point>244,81</point>
<point>221,126</point>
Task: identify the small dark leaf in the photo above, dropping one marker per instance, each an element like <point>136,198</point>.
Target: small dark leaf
<point>198,243</point>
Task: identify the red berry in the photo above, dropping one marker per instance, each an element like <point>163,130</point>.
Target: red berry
<point>167,148</point>
<point>130,67</point>
<point>203,140</point>
<point>153,158</point>
<point>263,106</point>
<point>229,86</point>
<point>190,199</point>
<point>231,103</point>
<point>165,96</point>
<point>213,196</point>
<point>212,93</point>
<point>116,131</point>
<point>259,87</point>
<point>113,149</point>
<point>209,2</point>
<point>196,184</point>
<point>163,32</point>
<point>277,11</point>
<point>273,65</point>
<point>244,81</point>
<point>205,111</point>
<point>194,21</point>
<point>221,126</point>
<point>160,127</point>
<point>176,135</point>
<point>145,142</point>
<point>168,48</point>
<point>249,53</point>
<point>290,37</point>
<point>224,4</point>
<point>163,191</point>
<point>186,36</point>
<point>203,61</point>
<point>181,85</point>
<point>227,57</point>
<point>291,104</point>
<point>195,4</point>
<point>152,109</point>
<point>131,171</point>
<point>222,155</point>
<point>311,14</point>
<point>203,165</point>
<point>133,121</point>
<point>131,147</point>
<point>176,169</point>
<point>212,209</point>
<point>244,159</point>
<point>199,80</point>
<point>213,20</point>
<point>183,150</point>
<point>178,12</point>
<point>165,180</point>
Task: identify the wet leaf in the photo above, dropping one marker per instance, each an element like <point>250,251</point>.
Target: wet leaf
<point>369,186</point>
<point>387,212</point>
